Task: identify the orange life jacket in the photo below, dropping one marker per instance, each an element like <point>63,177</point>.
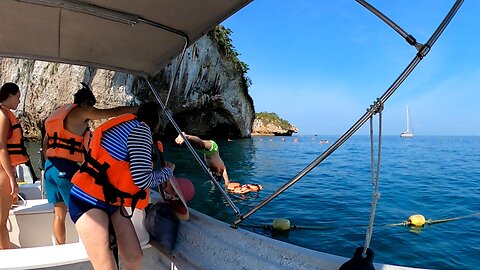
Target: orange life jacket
<point>61,142</point>
<point>157,155</point>
<point>106,178</point>
<point>15,143</point>
<point>160,146</point>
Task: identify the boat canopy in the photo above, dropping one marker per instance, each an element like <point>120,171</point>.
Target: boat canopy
<point>138,37</point>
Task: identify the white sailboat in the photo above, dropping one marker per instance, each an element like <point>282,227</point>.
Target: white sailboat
<point>409,132</point>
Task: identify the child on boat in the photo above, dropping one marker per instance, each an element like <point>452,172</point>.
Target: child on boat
<point>117,173</point>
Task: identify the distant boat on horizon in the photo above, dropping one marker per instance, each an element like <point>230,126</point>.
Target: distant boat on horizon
<point>409,132</point>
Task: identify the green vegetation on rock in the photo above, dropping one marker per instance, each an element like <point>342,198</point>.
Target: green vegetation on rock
<point>273,118</point>
<point>221,36</point>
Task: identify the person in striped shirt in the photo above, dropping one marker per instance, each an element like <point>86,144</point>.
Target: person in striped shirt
<point>128,140</point>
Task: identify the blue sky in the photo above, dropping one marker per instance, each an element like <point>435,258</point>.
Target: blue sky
<point>320,64</point>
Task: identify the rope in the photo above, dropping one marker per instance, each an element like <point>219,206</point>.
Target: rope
<point>377,107</point>
<point>180,59</point>
<point>335,226</point>
<point>450,219</point>
<point>431,222</point>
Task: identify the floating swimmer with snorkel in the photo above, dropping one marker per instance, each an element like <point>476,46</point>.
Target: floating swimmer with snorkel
<point>214,162</point>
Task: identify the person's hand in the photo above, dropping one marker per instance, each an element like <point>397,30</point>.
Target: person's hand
<point>15,199</point>
<point>14,188</point>
<point>179,139</point>
<point>170,165</point>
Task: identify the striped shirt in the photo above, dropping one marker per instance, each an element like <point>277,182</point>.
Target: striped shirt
<point>131,141</point>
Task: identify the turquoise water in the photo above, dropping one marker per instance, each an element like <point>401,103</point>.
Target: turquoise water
<point>438,177</point>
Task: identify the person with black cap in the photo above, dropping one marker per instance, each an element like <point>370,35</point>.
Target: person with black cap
<point>66,138</point>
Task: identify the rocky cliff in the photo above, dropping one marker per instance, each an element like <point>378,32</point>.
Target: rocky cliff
<point>270,124</point>
<point>209,98</point>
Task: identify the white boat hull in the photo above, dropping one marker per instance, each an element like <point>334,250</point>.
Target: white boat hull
<point>406,135</point>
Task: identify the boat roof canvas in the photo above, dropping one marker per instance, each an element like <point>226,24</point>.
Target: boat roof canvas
<point>138,37</point>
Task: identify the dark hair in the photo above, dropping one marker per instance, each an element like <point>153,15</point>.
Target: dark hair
<point>148,113</point>
<point>84,94</point>
<point>7,89</point>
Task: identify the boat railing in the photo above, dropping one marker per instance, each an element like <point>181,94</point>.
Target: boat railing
<point>375,108</point>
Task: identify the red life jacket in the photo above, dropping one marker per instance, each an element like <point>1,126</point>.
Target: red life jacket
<point>15,142</point>
<point>61,142</point>
<point>106,178</point>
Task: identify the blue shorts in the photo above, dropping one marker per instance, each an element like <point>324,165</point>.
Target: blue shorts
<point>58,173</point>
<point>81,202</point>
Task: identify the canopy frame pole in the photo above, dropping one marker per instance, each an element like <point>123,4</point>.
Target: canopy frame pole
<point>406,72</point>
<point>177,70</point>
<point>409,38</point>
<point>131,20</point>
<point>192,150</point>
<point>105,13</point>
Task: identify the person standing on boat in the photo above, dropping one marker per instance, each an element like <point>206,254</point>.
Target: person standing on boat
<point>66,138</point>
<point>211,155</point>
<point>10,136</point>
<point>117,173</point>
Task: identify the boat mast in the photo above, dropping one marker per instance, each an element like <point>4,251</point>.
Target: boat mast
<point>408,121</point>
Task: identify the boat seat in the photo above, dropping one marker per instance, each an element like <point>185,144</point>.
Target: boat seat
<point>31,191</point>
<point>40,257</point>
<point>30,225</point>
<point>39,206</point>
<point>140,229</point>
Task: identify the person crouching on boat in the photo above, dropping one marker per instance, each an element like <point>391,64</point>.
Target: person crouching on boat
<point>10,137</point>
<point>117,173</point>
<point>211,155</point>
<point>66,138</point>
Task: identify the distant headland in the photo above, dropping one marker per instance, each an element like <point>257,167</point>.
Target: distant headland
<point>270,124</point>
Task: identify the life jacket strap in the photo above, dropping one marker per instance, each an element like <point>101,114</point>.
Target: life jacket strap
<point>17,148</point>
<point>17,125</point>
<point>68,144</point>
<point>98,172</point>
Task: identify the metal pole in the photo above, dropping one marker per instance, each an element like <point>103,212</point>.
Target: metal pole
<point>424,50</point>
<point>180,60</point>
<point>409,38</point>
<point>190,147</point>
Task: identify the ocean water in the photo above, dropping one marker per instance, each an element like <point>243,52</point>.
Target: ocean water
<point>438,177</point>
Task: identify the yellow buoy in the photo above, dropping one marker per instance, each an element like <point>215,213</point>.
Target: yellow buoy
<point>281,224</point>
<point>416,220</point>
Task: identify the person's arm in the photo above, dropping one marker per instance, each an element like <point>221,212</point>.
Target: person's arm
<point>225,177</point>
<point>4,157</point>
<point>92,113</point>
<point>140,154</point>
<point>195,141</point>
<point>44,147</point>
